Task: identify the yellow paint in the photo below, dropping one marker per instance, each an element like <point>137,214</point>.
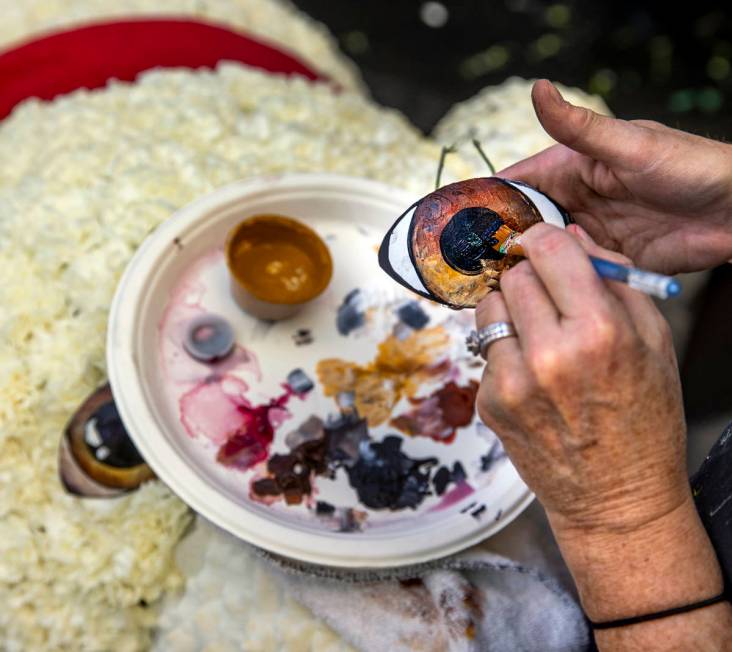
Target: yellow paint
<point>399,368</point>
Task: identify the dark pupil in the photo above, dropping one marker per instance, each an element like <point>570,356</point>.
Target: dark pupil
<point>468,238</point>
<point>114,436</point>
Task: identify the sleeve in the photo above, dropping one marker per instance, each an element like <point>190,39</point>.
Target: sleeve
<point>712,490</point>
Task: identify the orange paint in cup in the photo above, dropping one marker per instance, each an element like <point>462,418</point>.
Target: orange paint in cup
<point>277,265</point>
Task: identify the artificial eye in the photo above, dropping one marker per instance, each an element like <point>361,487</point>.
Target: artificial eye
<point>395,254</point>
<point>442,247</point>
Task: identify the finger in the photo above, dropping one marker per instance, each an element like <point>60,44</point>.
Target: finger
<point>544,170</point>
<point>645,316</point>
<point>617,143</point>
<point>566,272</point>
<point>506,351</point>
<point>531,308</point>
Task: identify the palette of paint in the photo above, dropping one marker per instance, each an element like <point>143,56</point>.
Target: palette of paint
<point>345,435</point>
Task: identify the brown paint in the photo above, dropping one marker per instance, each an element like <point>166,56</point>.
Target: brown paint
<point>278,259</point>
<point>399,368</point>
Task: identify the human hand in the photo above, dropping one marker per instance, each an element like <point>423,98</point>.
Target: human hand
<point>587,402</point>
<point>661,196</point>
<point>587,398</point>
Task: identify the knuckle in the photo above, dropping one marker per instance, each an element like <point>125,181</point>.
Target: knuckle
<point>510,390</point>
<point>488,307</point>
<point>583,121</point>
<point>549,240</point>
<point>600,334</point>
<point>546,365</point>
<point>650,124</point>
<point>511,278</point>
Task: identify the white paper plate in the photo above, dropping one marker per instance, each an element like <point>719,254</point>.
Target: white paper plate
<point>179,271</point>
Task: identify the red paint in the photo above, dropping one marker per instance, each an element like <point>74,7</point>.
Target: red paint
<point>89,56</point>
<point>249,444</point>
<point>440,414</point>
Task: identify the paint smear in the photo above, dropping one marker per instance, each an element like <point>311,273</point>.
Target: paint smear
<point>211,409</point>
<point>454,496</point>
<point>386,478</point>
<point>250,443</point>
<point>351,313</point>
<point>399,368</point>
<point>440,414</point>
<point>317,448</point>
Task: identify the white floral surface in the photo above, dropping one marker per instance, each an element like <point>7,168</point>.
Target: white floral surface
<point>82,181</point>
<point>502,118</point>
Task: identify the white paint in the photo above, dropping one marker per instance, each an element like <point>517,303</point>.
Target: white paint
<point>546,207</point>
<point>399,257</point>
<point>91,436</point>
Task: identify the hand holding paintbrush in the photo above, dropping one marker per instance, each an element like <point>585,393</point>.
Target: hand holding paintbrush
<point>508,242</point>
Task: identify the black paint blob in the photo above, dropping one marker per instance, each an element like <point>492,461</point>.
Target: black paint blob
<point>385,478</point>
<point>494,454</point>
<point>468,239</point>
<point>413,315</point>
<point>443,477</point>
<point>302,336</point>
<point>351,315</point>
<point>299,381</point>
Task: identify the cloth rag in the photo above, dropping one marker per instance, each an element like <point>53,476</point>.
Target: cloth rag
<point>512,593</point>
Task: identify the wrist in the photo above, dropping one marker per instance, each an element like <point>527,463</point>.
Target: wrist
<point>666,562</point>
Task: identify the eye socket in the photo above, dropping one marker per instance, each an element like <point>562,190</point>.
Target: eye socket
<point>468,239</point>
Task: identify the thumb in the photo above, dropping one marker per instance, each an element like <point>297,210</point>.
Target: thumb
<point>617,143</point>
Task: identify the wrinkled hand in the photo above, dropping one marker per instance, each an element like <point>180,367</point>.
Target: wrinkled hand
<point>661,196</point>
<point>587,398</point>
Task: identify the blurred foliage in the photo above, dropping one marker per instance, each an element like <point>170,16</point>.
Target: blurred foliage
<point>666,62</point>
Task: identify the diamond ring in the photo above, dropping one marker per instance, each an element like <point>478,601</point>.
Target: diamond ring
<point>478,341</point>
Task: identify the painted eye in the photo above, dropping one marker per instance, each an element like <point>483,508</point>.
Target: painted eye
<point>442,246</point>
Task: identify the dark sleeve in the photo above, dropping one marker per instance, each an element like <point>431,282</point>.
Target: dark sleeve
<point>712,490</point>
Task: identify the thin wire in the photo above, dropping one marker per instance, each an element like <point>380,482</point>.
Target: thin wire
<point>451,149</point>
<point>483,156</point>
<point>443,154</point>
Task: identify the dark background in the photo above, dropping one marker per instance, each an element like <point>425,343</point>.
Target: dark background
<point>666,62</point>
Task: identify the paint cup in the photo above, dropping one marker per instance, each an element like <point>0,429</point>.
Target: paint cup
<point>277,265</point>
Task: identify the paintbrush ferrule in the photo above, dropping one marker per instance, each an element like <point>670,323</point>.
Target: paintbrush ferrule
<point>657,285</point>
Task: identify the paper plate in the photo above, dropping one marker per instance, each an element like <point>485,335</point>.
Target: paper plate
<point>382,390</point>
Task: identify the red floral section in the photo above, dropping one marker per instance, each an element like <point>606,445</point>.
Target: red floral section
<point>87,57</point>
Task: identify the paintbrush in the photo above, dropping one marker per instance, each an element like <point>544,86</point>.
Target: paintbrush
<point>658,285</point>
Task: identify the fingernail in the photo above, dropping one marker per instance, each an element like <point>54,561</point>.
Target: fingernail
<point>580,233</point>
<point>554,93</point>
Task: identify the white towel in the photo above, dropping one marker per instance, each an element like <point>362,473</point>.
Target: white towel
<point>510,594</point>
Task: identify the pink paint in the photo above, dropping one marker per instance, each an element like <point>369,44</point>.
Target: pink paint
<point>186,303</point>
<point>211,409</point>
<point>249,443</point>
<point>454,496</point>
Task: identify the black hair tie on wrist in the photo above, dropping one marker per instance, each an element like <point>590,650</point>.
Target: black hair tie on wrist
<point>622,622</point>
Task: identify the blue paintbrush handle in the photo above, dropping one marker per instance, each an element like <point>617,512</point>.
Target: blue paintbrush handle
<point>649,282</point>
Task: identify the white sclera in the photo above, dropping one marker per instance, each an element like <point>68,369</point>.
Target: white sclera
<point>399,253</point>
<point>546,207</point>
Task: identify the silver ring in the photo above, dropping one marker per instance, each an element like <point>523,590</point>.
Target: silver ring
<point>478,341</point>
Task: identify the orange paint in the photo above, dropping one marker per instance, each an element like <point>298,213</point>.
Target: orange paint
<point>278,259</point>
<point>399,368</point>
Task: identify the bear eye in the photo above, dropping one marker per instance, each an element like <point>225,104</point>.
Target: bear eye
<point>442,246</point>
